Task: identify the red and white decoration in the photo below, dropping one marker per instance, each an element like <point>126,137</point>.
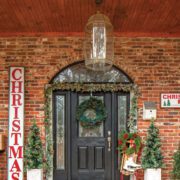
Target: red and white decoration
<point>16,123</point>
<point>170,100</point>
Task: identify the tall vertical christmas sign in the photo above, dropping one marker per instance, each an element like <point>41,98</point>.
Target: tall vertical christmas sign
<point>16,123</point>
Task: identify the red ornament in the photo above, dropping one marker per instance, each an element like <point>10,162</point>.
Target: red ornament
<point>120,142</point>
<point>134,135</point>
<point>125,136</point>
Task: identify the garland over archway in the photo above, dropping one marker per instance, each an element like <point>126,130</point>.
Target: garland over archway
<point>84,87</point>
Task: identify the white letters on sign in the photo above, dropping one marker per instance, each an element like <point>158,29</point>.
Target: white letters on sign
<point>16,123</point>
<point>170,100</point>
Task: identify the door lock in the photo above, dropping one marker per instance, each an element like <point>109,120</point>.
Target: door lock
<point>109,140</point>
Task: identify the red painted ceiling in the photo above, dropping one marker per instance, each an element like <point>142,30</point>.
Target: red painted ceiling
<point>133,17</point>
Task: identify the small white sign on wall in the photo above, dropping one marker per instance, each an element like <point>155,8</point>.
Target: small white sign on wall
<point>16,123</point>
<point>149,110</point>
<point>170,100</point>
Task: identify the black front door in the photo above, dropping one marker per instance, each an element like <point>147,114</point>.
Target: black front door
<point>87,154</point>
<point>91,154</point>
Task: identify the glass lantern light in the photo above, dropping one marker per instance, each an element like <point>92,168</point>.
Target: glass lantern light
<point>99,43</point>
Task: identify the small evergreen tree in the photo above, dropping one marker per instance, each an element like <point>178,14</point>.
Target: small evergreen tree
<point>33,149</point>
<point>168,103</point>
<point>176,165</point>
<point>164,103</point>
<point>151,155</point>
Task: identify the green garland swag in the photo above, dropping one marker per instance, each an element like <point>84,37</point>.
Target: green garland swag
<point>91,113</point>
<point>129,143</point>
<point>83,87</point>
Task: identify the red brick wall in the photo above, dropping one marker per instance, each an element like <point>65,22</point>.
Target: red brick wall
<point>153,64</point>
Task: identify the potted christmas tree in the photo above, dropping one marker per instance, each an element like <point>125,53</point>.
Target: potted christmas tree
<point>34,154</point>
<point>152,159</point>
<point>176,165</point>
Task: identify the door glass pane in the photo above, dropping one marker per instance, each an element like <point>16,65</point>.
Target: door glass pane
<point>122,116</point>
<point>122,112</point>
<point>96,132</point>
<point>60,132</point>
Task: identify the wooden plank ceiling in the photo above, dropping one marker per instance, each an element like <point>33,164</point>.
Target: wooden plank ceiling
<point>149,17</point>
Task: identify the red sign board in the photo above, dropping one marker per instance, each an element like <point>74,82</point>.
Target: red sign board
<point>16,124</point>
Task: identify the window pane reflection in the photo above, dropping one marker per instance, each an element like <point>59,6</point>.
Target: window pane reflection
<point>122,112</point>
<point>60,132</point>
<point>122,117</point>
<point>79,73</point>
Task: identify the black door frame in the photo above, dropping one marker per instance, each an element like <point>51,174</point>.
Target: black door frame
<point>66,174</point>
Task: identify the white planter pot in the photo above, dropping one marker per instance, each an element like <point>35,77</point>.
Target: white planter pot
<point>34,174</point>
<point>152,174</point>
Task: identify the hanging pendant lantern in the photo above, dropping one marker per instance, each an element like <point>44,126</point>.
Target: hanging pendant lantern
<point>99,43</point>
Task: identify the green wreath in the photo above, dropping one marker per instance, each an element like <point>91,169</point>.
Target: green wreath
<point>129,143</point>
<point>91,113</point>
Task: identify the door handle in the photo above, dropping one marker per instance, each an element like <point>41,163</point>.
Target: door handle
<point>109,140</point>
